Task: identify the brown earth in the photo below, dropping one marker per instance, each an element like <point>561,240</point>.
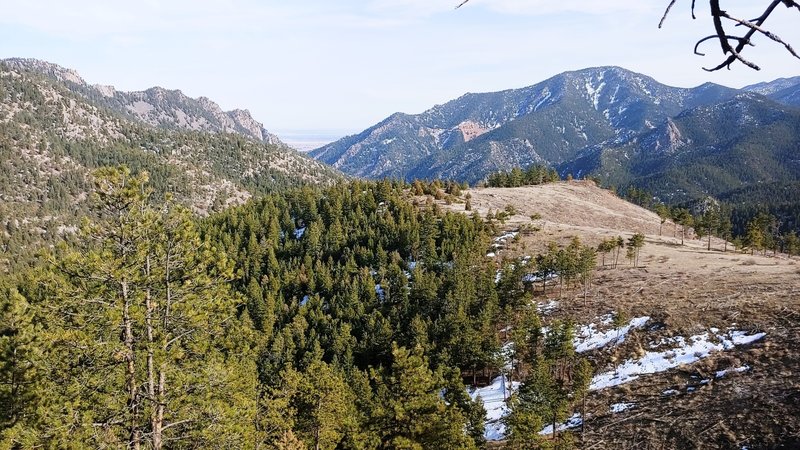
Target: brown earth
<point>686,290</point>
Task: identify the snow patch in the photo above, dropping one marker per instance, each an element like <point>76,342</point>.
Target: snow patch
<point>722,373</point>
<point>594,94</point>
<point>617,408</point>
<point>379,290</point>
<point>547,308</point>
<point>588,338</point>
<point>687,352</point>
<point>494,401</point>
<point>573,422</point>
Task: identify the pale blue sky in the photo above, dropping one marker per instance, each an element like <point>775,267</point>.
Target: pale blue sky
<point>345,65</point>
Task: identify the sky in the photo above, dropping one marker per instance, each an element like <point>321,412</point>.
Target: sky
<point>318,69</point>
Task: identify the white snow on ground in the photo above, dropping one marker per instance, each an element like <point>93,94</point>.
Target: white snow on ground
<point>494,400</point>
<point>573,422</point>
<point>588,338</point>
<point>381,293</point>
<point>697,347</point>
<point>505,236</point>
<point>507,351</point>
<point>547,308</point>
<point>722,373</point>
<point>299,232</point>
<point>620,407</point>
<point>686,351</point>
<point>491,255</point>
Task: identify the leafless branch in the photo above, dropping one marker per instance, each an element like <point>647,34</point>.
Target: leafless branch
<point>664,17</point>
<point>725,39</point>
<point>731,44</point>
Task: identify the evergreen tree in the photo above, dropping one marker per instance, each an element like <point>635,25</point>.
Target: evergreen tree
<point>147,331</point>
<point>411,414</point>
<point>791,244</point>
<point>635,244</point>
<point>683,217</point>
<point>322,405</point>
<point>557,378</point>
<point>20,370</point>
<point>587,262</point>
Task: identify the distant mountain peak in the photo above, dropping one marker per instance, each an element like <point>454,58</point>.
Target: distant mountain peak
<point>157,106</point>
<point>551,121</point>
<point>46,68</point>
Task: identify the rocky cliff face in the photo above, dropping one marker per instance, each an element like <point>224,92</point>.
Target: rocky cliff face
<point>55,129</point>
<point>159,107</point>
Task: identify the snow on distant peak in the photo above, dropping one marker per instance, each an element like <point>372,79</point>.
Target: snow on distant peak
<point>594,92</point>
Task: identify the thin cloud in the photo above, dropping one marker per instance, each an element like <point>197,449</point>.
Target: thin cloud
<point>547,7</point>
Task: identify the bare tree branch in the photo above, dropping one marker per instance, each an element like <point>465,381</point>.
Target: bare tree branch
<point>733,52</point>
<point>725,39</point>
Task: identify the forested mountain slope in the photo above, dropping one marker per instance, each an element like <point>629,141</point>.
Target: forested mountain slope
<point>622,128</point>
<point>549,122</point>
<point>741,143</point>
<point>52,134</point>
<point>159,107</point>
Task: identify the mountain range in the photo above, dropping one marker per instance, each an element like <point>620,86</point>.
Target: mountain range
<point>55,129</point>
<point>623,127</point>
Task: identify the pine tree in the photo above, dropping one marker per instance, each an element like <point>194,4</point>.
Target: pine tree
<point>587,263</point>
<point>147,329</point>
<point>620,244</point>
<point>20,369</point>
<point>635,244</point>
<point>791,244</point>
<point>683,217</point>
<point>663,214</point>
<point>322,405</point>
<point>411,414</point>
<point>558,377</point>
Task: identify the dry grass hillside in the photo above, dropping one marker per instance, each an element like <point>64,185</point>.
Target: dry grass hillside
<point>686,291</point>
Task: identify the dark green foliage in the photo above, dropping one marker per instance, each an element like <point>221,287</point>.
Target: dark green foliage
<point>635,244</point>
<point>556,380</point>
<point>516,177</point>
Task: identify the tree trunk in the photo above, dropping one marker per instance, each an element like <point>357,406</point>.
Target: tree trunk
<point>585,290</point>
<point>583,416</point>
<point>161,397</point>
<point>474,375</point>
<point>155,421</point>
<point>130,375</point>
